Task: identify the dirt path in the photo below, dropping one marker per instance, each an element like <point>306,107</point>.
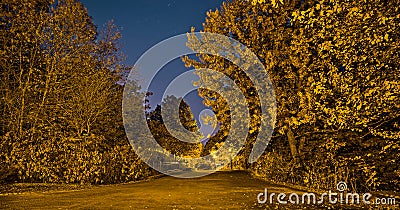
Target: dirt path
<point>224,190</point>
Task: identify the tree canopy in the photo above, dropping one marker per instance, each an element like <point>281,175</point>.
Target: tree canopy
<point>335,69</point>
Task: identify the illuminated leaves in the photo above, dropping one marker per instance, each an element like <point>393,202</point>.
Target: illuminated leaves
<point>267,30</point>
<point>274,3</point>
<point>335,68</point>
<point>363,58</point>
<point>61,119</point>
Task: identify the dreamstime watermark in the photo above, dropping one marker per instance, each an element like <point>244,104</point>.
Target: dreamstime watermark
<point>330,197</point>
<point>152,61</point>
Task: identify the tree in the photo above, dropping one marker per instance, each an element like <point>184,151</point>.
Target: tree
<point>49,50</point>
<point>355,45</point>
<point>267,30</point>
<point>172,142</point>
<point>110,62</point>
<point>335,70</point>
<point>354,48</point>
<point>21,64</point>
<point>61,95</point>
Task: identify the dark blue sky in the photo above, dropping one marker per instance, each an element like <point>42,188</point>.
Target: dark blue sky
<point>147,22</point>
<point>144,23</point>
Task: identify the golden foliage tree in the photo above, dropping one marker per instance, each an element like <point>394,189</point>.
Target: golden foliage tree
<point>60,101</point>
<point>335,69</point>
<point>353,49</point>
<point>166,139</point>
<point>267,31</point>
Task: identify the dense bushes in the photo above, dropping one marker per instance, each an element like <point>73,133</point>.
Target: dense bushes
<point>88,160</point>
<point>327,161</point>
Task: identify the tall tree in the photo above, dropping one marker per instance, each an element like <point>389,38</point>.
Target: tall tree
<point>356,86</point>
<point>335,70</point>
<point>267,30</point>
<point>60,95</point>
<point>21,64</point>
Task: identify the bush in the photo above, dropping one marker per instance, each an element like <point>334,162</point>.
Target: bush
<point>69,160</point>
<point>368,165</point>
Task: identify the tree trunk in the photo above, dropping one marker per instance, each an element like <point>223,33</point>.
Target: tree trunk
<point>292,144</point>
<point>301,148</point>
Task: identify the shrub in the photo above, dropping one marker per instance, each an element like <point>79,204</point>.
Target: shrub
<point>87,160</point>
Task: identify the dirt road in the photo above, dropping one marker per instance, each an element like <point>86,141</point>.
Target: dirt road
<point>223,190</point>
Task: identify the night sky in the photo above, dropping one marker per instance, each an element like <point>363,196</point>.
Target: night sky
<point>144,23</point>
